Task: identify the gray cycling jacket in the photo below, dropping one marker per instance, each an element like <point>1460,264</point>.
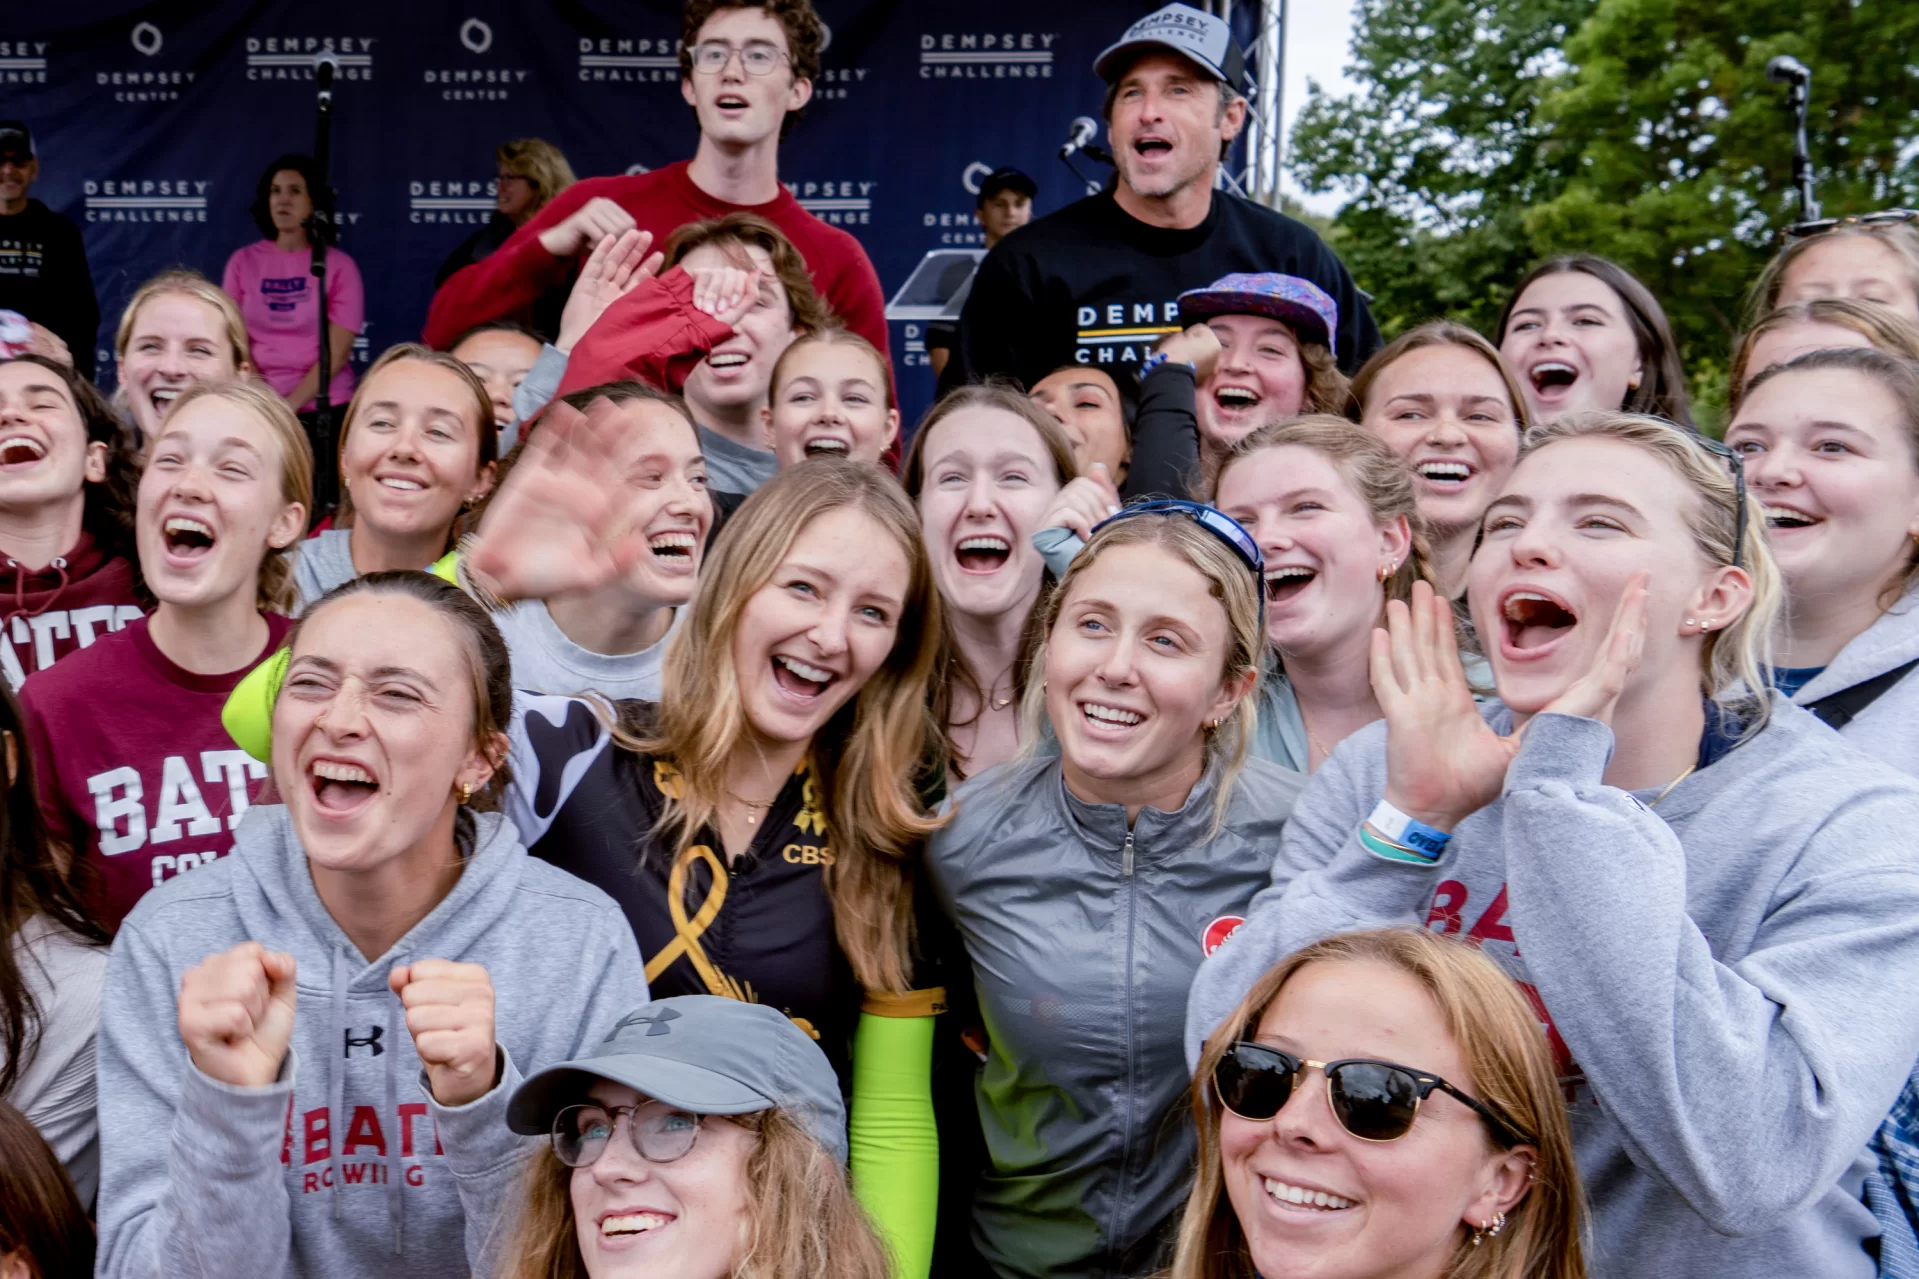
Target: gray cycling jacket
<point>1083,938</point>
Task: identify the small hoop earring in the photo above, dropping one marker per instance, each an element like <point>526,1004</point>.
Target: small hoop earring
<point>1213,726</point>
<point>466,791</point>
<point>1634,382</point>
<point>1386,572</point>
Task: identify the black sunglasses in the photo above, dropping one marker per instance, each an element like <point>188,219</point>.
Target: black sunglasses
<point>1373,1100</point>
<point>1818,226</point>
<point>1733,458</point>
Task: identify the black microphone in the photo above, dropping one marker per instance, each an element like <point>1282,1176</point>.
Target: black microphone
<point>1082,131</point>
<point>1787,69</point>
<point>324,67</point>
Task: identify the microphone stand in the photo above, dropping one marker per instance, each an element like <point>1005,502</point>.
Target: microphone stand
<point>1801,154</point>
<point>326,459</point>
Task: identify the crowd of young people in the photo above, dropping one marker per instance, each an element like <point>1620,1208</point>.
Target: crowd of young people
<point>1306,807</point>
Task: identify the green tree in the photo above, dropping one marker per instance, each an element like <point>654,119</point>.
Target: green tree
<point>1487,136</point>
<point>1441,152</point>
<point>1680,148</point>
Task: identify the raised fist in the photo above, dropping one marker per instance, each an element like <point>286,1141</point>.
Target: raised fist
<point>236,1014</point>
<point>449,1013</point>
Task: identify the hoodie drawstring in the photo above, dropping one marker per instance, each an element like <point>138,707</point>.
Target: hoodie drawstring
<point>336,1097</point>
<point>336,1074</point>
<point>395,1173</point>
<point>59,566</point>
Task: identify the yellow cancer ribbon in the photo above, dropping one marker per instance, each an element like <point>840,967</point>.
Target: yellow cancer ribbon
<point>687,932</point>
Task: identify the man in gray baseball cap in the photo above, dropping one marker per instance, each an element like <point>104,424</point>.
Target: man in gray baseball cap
<point>1199,37</point>
<point>704,1055</point>
<point>1098,281</point>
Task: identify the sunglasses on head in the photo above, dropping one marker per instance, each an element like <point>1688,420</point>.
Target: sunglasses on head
<point>1373,1100</point>
<point>1732,458</point>
<point>1818,226</point>
<point>1214,521</point>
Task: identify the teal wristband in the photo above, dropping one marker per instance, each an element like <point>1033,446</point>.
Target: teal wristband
<point>1393,835</point>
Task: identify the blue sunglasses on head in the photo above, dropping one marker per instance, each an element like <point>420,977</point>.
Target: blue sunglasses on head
<point>1214,521</point>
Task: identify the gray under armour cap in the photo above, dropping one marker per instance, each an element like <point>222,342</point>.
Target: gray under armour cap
<point>703,1054</point>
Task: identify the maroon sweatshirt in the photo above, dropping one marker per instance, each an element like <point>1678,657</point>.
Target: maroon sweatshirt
<point>505,284</point>
<point>135,771</point>
<point>47,614</point>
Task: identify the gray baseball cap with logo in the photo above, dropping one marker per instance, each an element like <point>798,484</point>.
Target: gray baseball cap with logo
<point>1199,37</point>
<point>702,1054</point>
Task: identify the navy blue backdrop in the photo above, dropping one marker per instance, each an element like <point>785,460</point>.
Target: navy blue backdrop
<point>153,120</point>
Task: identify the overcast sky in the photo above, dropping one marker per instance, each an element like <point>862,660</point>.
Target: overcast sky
<point>1318,39</point>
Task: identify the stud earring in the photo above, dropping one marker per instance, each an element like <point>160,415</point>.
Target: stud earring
<point>1634,382</point>
<point>1692,621</point>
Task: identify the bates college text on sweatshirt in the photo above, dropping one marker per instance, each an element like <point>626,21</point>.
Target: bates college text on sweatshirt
<point>48,613</point>
<point>345,1165</point>
<point>136,772</point>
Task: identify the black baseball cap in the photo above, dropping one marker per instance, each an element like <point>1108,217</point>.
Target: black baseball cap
<point>1006,179</point>
<point>16,141</point>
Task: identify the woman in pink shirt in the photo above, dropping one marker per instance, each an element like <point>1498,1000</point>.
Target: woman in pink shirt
<point>272,280</point>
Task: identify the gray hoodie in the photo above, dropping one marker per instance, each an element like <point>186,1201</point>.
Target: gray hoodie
<point>1731,982</point>
<point>1888,729</point>
<point>1083,937</point>
<point>325,561</point>
<point>345,1165</point>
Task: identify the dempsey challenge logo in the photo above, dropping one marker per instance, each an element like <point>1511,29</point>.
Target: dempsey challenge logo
<point>469,83</point>
<point>624,60</point>
<point>23,61</point>
<point>844,203</point>
<point>146,199</point>
<point>987,55</point>
<point>292,57</point>
<point>451,202</point>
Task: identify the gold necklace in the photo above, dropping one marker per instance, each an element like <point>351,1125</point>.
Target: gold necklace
<point>1674,782</point>
<point>1313,738</point>
<point>753,807</point>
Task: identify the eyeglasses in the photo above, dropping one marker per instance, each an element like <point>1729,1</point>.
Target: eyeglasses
<point>757,58</point>
<point>1818,226</point>
<point>1373,1100</point>
<point>1217,522</point>
<point>1734,459</point>
<point>658,1132</point>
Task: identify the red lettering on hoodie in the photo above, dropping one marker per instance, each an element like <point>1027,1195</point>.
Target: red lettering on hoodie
<point>1446,914</point>
<point>319,1143</point>
<point>365,1131</point>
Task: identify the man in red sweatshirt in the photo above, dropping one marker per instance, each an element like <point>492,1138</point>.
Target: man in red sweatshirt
<point>747,69</point>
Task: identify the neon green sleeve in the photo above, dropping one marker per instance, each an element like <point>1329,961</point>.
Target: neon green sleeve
<point>894,1142</point>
